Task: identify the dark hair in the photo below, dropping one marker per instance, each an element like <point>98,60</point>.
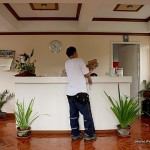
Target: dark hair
<point>93,74</point>
<point>70,51</point>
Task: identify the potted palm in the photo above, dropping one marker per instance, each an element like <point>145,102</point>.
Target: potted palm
<point>24,118</point>
<point>126,110</point>
<point>5,96</point>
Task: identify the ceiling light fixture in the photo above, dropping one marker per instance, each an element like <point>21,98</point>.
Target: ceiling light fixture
<point>44,5</point>
<point>129,6</point>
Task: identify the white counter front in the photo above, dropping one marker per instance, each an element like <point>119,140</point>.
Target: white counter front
<point>50,98</point>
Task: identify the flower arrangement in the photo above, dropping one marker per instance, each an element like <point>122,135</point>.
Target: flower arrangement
<point>92,64</point>
<point>24,63</point>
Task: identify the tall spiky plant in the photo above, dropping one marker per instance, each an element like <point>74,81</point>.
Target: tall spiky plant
<point>24,116</point>
<point>125,109</point>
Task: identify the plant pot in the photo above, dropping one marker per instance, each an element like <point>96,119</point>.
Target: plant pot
<point>25,74</point>
<point>146,107</point>
<point>23,133</point>
<point>3,115</point>
<point>146,94</point>
<point>124,132</point>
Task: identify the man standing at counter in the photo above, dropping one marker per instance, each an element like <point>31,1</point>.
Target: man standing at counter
<point>77,95</point>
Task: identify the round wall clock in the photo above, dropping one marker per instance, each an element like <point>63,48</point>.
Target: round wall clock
<point>55,46</point>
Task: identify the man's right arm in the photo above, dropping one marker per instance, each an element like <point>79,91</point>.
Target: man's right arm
<point>88,76</point>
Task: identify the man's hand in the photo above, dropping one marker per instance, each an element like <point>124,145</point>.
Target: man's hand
<point>89,80</point>
<point>89,77</point>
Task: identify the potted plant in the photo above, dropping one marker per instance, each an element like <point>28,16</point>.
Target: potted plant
<point>25,66</point>
<point>126,110</point>
<point>145,95</point>
<point>5,96</point>
<point>24,118</point>
<point>145,92</point>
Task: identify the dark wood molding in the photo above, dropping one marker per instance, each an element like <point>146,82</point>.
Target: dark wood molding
<point>31,5</point>
<point>78,11</point>
<point>148,19</point>
<point>12,11</point>
<point>120,19</point>
<point>74,33</point>
<point>47,18</point>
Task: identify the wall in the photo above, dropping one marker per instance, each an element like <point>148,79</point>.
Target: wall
<point>51,64</point>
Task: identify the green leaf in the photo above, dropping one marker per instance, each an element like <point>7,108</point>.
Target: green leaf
<point>5,96</point>
<point>32,53</point>
<point>24,116</point>
<point>125,109</point>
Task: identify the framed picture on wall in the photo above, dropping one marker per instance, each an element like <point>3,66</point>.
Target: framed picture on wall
<point>125,38</point>
<point>6,59</point>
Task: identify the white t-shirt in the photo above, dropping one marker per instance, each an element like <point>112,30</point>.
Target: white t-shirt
<point>76,69</point>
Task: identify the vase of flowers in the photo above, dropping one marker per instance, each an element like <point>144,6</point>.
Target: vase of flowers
<point>25,66</point>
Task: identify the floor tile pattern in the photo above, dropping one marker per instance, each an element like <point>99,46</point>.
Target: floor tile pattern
<point>138,140</point>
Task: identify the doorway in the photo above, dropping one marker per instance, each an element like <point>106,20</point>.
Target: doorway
<point>127,56</point>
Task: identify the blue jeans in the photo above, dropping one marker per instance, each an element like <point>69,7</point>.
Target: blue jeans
<point>85,110</point>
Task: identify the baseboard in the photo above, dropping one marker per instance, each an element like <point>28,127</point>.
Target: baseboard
<point>10,115</point>
<point>56,132</point>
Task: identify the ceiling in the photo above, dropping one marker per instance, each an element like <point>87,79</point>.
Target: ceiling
<point>74,16</point>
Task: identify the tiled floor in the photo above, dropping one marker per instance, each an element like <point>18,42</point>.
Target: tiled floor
<point>139,139</point>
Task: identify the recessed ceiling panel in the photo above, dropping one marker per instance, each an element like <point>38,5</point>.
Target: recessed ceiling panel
<point>25,10</point>
<point>44,6</point>
<point>128,7</point>
<point>107,11</point>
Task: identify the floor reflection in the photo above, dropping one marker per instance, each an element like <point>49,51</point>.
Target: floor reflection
<point>139,139</point>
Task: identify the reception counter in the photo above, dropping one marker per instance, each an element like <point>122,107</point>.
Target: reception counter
<point>50,98</point>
